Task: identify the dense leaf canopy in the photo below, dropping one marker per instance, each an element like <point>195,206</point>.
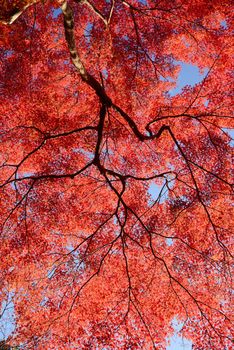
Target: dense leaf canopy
<point>89,124</point>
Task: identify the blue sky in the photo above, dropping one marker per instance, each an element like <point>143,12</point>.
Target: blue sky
<point>176,341</point>
<point>189,75</point>
<point>7,324</point>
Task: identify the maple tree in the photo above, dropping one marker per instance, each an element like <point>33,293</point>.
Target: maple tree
<point>88,258</point>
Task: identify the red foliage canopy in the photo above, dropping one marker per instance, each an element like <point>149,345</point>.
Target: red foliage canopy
<point>88,124</point>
